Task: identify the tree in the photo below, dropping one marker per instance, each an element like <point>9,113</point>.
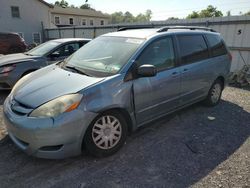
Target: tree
<point>85,6</point>
<point>62,3</point>
<point>247,14</point>
<point>148,15</point>
<point>117,17</point>
<point>127,17</point>
<point>210,11</point>
<point>173,18</point>
<point>194,14</point>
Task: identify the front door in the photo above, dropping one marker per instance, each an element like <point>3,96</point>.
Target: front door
<point>155,96</point>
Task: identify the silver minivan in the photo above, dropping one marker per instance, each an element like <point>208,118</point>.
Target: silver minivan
<point>113,85</point>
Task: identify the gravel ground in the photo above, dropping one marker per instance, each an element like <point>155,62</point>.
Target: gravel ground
<point>181,150</point>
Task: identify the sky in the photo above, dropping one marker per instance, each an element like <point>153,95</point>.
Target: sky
<point>163,9</point>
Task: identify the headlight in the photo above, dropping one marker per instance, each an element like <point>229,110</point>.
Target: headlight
<point>57,106</point>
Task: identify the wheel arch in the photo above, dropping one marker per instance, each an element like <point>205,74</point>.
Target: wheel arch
<point>222,79</point>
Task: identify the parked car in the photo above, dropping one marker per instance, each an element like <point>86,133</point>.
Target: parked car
<point>15,66</point>
<point>113,85</point>
<point>11,43</point>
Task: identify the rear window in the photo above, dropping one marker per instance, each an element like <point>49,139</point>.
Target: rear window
<point>217,46</point>
<point>193,48</point>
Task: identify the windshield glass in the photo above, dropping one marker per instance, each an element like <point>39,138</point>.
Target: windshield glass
<point>105,54</point>
<point>44,48</point>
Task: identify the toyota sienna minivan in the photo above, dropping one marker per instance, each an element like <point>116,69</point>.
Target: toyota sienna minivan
<point>113,85</point>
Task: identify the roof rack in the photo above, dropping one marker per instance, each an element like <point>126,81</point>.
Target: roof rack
<point>135,27</point>
<point>163,29</point>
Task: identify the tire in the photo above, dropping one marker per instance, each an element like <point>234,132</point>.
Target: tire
<point>106,134</point>
<point>214,94</point>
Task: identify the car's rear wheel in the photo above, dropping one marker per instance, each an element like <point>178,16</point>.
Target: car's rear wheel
<point>106,134</point>
<point>214,94</point>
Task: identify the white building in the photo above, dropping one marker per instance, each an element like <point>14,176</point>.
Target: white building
<point>30,17</point>
<point>77,17</point>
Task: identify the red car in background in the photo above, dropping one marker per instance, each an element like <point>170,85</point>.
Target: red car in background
<point>11,43</point>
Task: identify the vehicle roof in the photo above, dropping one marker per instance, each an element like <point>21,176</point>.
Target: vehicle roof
<point>8,33</point>
<point>63,40</point>
<point>147,33</point>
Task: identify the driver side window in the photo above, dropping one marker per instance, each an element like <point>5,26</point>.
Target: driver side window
<point>66,50</point>
<point>159,53</point>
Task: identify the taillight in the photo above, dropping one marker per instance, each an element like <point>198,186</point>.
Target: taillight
<point>7,69</point>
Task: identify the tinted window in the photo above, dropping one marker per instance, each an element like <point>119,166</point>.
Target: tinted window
<point>159,53</point>
<point>193,48</point>
<point>217,46</point>
<point>67,50</point>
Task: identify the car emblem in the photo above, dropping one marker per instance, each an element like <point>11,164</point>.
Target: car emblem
<point>12,103</point>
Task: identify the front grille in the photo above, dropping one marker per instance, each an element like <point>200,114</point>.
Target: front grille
<point>51,148</point>
<point>19,108</point>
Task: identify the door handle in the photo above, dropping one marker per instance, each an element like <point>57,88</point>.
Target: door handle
<point>185,70</point>
<point>174,73</point>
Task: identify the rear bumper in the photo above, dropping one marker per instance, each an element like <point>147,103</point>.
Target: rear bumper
<point>8,80</point>
<point>48,137</point>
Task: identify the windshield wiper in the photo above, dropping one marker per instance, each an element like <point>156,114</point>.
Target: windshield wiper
<point>76,69</point>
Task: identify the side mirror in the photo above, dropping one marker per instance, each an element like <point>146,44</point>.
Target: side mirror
<point>147,71</point>
<point>54,55</point>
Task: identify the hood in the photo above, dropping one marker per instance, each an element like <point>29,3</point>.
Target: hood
<point>49,83</point>
<point>16,58</point>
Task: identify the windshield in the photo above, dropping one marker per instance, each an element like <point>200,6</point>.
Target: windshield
<point>44,48</point>
<point>105,54</point>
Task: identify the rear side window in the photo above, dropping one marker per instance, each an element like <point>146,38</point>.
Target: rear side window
<point>159,53</point>
<point>193,48</point>
<point>217,46</point>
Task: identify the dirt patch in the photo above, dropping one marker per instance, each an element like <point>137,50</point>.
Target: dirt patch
<point>3,131</point>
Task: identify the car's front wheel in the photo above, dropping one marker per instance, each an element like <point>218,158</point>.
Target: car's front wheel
<point>214,94</point>
<point>106,134</point>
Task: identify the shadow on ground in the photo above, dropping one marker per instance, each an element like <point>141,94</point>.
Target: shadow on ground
<point>175,151</point>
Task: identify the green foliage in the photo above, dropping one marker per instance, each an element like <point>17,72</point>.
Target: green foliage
<point>86,6</point>
<point>210,11</point>
<point>62,3</point>
<point>173,18</point>
<point>127,17</point>
<point>194,14</point>
<point>247,14</point>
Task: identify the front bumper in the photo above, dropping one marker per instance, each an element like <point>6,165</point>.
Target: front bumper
<point>52,138</point>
